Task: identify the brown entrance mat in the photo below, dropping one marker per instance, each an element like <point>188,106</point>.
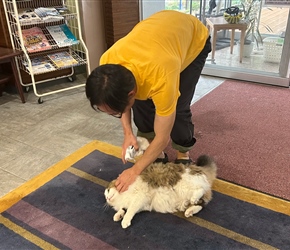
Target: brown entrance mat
<point>246,128</point>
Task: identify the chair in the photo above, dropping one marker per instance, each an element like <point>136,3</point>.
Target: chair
<point>8,56</point>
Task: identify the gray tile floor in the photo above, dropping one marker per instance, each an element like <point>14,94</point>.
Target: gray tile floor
<point>36,136</point>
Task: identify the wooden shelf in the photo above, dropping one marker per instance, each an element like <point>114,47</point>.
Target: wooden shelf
<point>4,78</point>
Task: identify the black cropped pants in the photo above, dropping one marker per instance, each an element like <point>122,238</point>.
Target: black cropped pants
<point>182,134</point>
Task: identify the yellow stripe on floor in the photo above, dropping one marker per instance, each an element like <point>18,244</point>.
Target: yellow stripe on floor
<point>226,232</point>
<point>251,196</point>
<point>88,177</point>
<point>26,234</point>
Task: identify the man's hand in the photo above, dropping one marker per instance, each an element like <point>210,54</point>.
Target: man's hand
<point>129,140</point>
<point>125,179</point>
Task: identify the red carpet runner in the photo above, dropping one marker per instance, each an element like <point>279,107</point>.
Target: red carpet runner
<point>245,127</point>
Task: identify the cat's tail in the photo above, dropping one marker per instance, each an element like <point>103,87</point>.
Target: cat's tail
<point>208,165</point>
<point>209,168</point>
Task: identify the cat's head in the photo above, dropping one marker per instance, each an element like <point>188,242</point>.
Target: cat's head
<point>111,193</point>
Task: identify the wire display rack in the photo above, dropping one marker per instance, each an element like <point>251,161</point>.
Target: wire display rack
<point>69,15</point>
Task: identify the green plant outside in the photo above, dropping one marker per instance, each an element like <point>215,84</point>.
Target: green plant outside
<point>183,6</point>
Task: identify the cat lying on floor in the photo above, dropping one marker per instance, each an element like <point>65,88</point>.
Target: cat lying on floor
<point>165,188</point>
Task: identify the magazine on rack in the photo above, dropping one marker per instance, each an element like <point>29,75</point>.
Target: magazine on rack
<point>27,16</point>
<point>35,40</point>
<point>62,35</point>
<point>48,14</point>
<point>62,59</point>
<point>63,11</point>
<point>40,65</point>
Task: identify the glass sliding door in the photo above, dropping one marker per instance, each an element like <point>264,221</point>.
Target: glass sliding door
<point>268,61</point>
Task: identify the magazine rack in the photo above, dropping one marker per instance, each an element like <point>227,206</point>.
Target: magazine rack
<point>44,52</point>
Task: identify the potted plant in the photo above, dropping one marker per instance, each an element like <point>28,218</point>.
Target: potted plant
<point>250,11</point>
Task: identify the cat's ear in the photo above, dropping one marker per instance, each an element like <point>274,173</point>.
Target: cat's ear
<point>111,184</point>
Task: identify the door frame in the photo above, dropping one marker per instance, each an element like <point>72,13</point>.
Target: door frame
<point>245,75</point>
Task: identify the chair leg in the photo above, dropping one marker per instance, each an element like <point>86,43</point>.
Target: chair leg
<point>232,40</point>
<point>214,38</point>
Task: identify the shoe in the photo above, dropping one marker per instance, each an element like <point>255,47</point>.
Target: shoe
<point>162,160</point>
<point>183,161</point>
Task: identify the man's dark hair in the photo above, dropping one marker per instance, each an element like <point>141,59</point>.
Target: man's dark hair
<point>110,84</point>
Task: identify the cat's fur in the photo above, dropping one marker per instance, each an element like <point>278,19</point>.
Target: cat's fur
<point>165,188</point>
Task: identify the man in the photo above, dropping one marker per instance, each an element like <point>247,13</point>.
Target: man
<point>154,71</point>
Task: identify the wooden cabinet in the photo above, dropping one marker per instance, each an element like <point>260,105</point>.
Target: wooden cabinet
<point>7,57</point>
<point>4,33</point>
<point>119,18</point>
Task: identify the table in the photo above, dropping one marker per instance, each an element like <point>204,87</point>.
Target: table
<point>8,55</point>
<point>214,24</point>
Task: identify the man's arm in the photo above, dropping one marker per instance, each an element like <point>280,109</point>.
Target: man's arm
<point>162,127</point>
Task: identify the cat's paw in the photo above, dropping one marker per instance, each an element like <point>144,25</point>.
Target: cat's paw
<point>125,223</point>
<point>194,201</point>
<point>119,215</point>
<point>192,210</point>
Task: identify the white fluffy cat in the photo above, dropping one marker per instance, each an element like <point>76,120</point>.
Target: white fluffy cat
<point>165,188</point>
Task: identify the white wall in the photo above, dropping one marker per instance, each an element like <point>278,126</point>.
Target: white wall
<point>93,24</point>
<point>93,29</point>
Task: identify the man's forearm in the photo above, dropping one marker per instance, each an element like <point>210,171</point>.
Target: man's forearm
<point>162,127</point>
<point>151,154</point>
<point>126,123</point>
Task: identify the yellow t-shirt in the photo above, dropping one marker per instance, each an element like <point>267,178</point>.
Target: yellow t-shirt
<point>156,51</point>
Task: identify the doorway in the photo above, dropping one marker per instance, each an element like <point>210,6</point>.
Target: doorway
<point>268,62</point>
